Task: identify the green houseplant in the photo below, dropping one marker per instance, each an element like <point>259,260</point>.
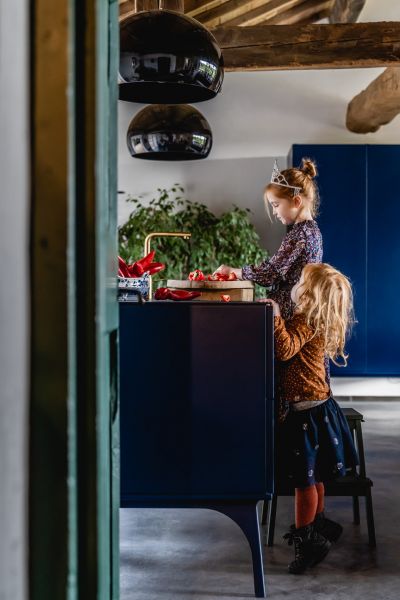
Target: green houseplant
<point>229,238</point>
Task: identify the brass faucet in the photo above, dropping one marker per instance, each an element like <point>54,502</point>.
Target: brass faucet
<point>147,242</point>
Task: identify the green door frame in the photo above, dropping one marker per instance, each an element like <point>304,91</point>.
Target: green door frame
<point>74,480</point>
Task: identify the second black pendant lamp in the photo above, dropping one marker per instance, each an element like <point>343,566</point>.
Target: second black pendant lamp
<point>168,57</point>
<point>169,132</point>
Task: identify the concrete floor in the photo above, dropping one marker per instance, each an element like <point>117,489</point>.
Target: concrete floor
<point>200,554</point>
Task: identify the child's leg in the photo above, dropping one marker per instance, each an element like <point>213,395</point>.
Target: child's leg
<point>329,529</point>
<point>321,496</point>
<point>309,547</point>
<point>306,502</point>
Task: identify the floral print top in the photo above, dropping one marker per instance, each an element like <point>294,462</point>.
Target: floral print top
<point>301,245</point>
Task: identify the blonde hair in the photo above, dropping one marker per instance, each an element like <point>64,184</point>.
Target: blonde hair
<point>303,178</point>
<point>326,300</point>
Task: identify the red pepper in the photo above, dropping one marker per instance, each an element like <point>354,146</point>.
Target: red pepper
<point>136,270</point>
<point>143,266</point>
<point>161,293</point>
<point>123,267</point>
<point>225,298</point>
<point>230,277</point>
<point>168,294</point>
<point>144,262</point>
<point>212,278</point>
<point>196,275</point>
<point>183,295</point>
<point>154,267</point>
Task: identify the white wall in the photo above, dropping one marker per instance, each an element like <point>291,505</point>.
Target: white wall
<point>216,183</point>
<point>14,299</point>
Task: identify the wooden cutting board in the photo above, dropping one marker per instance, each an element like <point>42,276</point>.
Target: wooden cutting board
<point>242,291</point>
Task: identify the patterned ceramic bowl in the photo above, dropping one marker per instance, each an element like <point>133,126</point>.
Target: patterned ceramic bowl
<point>128,285</point>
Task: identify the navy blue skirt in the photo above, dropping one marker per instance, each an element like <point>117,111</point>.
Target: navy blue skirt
<point>314,445</point>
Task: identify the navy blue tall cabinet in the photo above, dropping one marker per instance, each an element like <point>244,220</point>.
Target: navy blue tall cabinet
<point>360,194</point>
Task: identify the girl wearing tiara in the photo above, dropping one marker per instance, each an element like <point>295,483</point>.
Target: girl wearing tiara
<point>293,197</point>
<point>314,442</point>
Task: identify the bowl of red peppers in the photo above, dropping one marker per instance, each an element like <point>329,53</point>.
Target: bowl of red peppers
<point>133,279</point>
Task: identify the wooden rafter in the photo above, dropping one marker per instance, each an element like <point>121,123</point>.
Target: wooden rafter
<point>307,11</point>
<point>176,5</point>
<point>195,7</point>
<point>278,11</point>
<point>346,11</point>
<point>345,45</point>
<point>377,105</point>
<point>130,7</point>
<point>237,12</point>
<point>215,13</point>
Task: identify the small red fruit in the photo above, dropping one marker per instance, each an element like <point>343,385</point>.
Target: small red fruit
<point>225,298</point>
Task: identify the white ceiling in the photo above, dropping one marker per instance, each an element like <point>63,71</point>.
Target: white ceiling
<point>264,113</point>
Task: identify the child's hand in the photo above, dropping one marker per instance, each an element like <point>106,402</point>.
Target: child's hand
<point>223,269</point>
<point>275,306</point>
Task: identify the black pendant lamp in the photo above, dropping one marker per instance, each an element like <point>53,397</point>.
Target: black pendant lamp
<point>169,132</point>
<point>168,57</point>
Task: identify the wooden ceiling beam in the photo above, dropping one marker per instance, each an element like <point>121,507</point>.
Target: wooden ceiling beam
<point>193,8</point>
<point>130,7</point>
<point>307,10</point>
<point>377,105</point>
<point>176,5</point>
<point>290,47</point>
<point>227,12</point>
<point>248,13</point>
<point>235,12</point>
<point>346,11</point>
<point>314,18</point>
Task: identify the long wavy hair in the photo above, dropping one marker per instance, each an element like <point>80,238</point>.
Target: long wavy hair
<point>325,298</point>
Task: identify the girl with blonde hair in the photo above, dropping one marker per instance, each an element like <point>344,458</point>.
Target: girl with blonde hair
<point>314,443</point>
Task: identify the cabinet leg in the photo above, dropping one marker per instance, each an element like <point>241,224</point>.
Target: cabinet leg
<point>246,516</point>
<point>271,520</point>
<point>264,512</point>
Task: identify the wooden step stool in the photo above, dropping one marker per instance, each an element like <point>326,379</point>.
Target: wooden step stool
<point>355,484</point>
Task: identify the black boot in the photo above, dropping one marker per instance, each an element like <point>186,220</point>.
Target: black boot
<point>310,548</point>
<point>327,528</point>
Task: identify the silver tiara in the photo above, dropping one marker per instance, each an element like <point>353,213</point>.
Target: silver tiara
<point>279,179</point>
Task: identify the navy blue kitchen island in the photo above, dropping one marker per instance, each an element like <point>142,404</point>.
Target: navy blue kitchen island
<point>196,394</point>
